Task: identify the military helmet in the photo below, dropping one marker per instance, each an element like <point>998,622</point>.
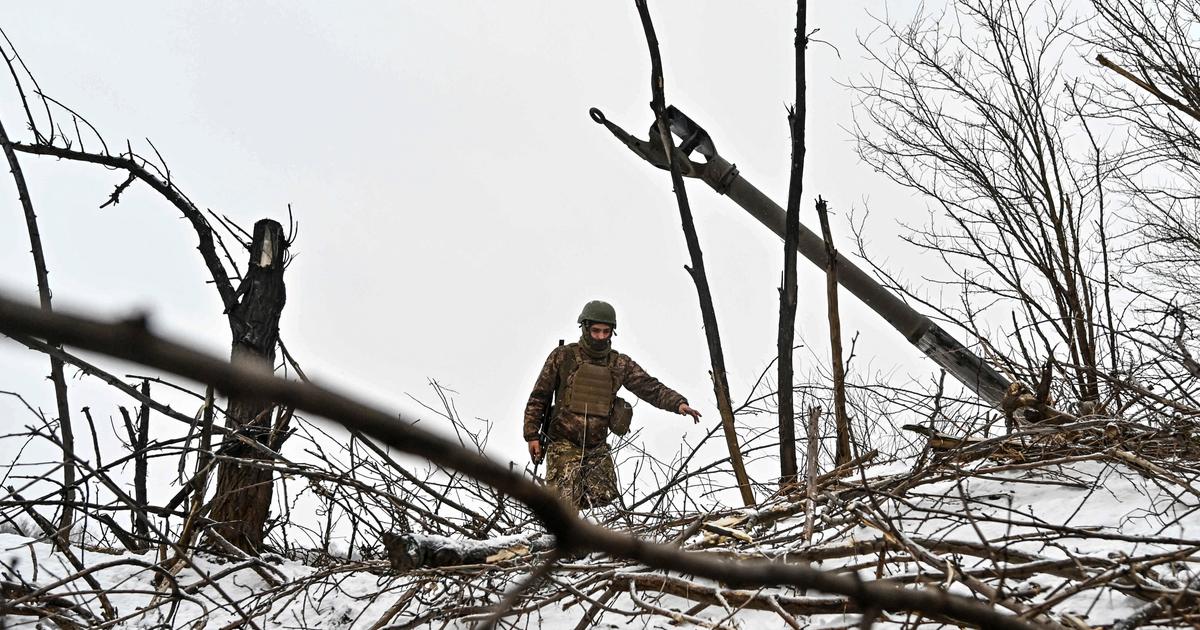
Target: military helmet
<point>598,311</point>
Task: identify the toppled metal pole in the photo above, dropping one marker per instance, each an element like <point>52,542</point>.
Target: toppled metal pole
<point>724,178</point>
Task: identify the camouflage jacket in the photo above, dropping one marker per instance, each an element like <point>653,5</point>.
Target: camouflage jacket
<point>590,430</point>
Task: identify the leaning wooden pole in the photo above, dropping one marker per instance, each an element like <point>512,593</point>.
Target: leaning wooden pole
<point>66,518</point>
<point>791,247</point>
<point>696,271</point>
<point>841,421</point>
<point>243,492</point>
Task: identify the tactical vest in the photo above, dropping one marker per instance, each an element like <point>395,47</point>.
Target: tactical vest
<point>585,387</point>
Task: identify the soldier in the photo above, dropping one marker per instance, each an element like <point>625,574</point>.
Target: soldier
<point>583,377</point>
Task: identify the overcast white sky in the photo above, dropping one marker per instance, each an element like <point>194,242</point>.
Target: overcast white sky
<point>456,204</point>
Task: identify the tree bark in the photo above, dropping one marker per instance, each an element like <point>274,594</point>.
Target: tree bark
<point>841,421</point>
<point>791,243</point>
<point>696,271</point>
<point>243,493</point>
<point>67,517</point>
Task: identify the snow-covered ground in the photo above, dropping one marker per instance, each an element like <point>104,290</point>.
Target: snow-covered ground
<point>1091,534</point>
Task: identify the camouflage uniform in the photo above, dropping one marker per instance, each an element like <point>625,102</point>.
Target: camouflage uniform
<point>584,477</point>
<point>578,462</point>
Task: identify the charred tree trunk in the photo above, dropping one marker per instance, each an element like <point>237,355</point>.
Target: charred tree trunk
<point>699,277</point>
<point>791,245</point>
<point>243,495</point>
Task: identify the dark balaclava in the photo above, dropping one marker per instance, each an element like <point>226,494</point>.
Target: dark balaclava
<point>596,349</point>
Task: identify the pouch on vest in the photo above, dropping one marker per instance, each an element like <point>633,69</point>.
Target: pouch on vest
<point>622,416</point>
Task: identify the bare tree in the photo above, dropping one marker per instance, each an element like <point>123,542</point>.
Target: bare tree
<point>252,307</point>
<point>1151,93</point>
<point>971,110</point>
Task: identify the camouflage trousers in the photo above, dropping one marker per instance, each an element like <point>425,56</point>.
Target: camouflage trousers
<point>584,478</point>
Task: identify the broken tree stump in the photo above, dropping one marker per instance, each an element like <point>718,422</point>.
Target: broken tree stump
<point>243,495</point>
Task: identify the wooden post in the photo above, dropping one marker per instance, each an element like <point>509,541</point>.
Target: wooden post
<point>842,423</point>
<point>696,271</point>
<point>243,493</point>
<point>814,442</point>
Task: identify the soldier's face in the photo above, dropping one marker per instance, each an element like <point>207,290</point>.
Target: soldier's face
<point>600,332</point>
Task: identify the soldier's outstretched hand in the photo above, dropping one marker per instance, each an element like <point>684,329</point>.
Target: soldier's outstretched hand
<point>688,411</point>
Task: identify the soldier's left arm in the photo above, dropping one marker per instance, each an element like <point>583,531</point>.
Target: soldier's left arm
<point>651,389</point>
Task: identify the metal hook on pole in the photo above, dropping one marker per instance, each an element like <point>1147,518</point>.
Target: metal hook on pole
<point>723,177</point>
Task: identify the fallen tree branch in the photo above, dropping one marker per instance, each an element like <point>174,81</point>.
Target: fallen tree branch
<point>713,595</point>
<point>132,340</point>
